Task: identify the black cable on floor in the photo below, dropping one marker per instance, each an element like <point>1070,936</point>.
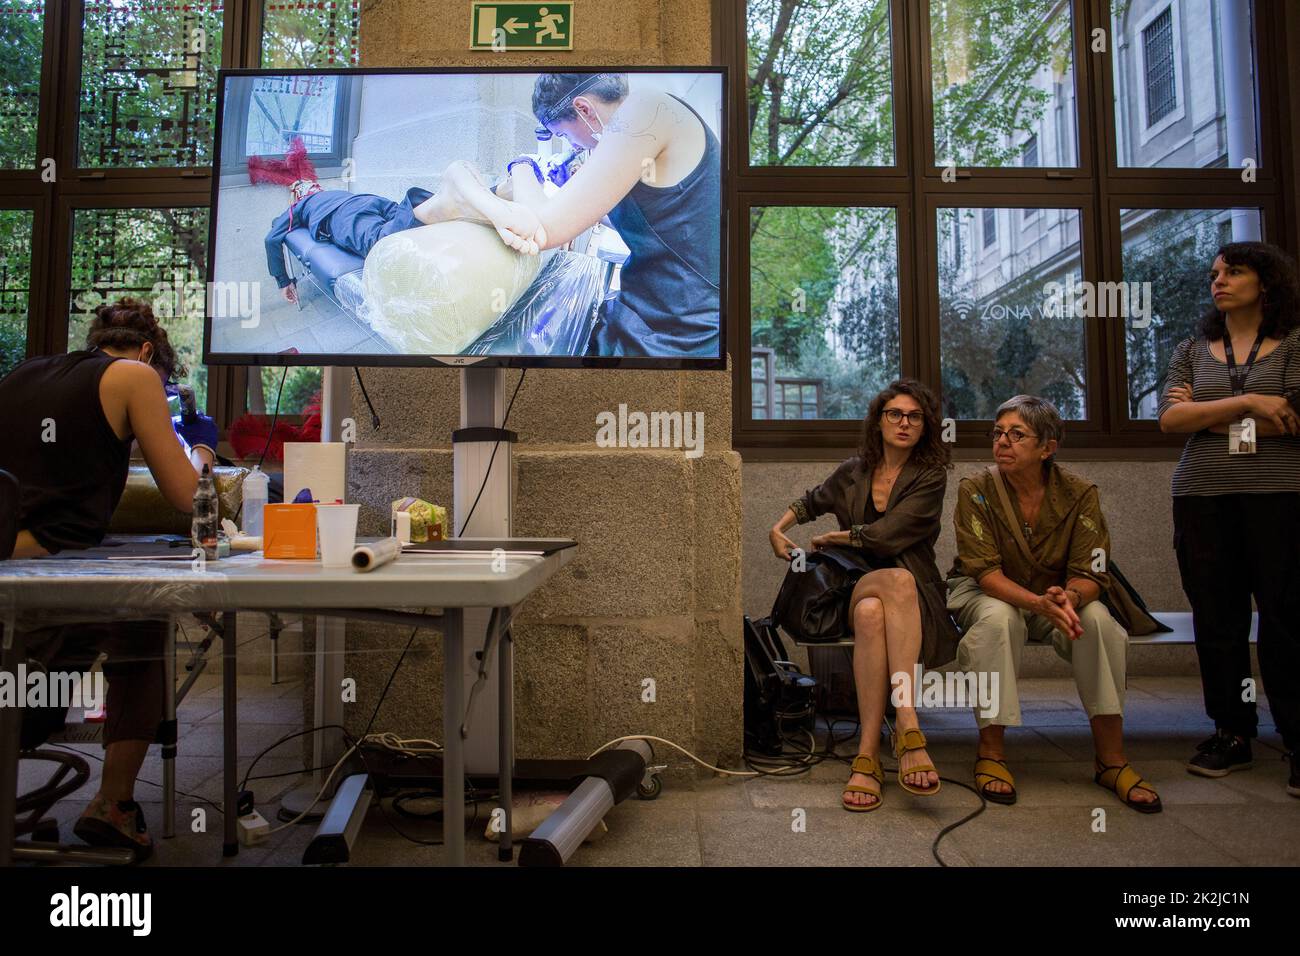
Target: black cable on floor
<point>82,753</point>
<point>804,760</point>
<point>283,740</point>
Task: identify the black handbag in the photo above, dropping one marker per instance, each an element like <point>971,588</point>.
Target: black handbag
<point>812,605</point>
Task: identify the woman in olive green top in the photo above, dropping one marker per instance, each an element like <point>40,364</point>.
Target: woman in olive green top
<point>1002,596</point>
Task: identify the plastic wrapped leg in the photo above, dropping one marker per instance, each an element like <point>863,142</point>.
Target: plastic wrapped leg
<point>433,290</point>
<point>555,314</point>
<point>350,291</point>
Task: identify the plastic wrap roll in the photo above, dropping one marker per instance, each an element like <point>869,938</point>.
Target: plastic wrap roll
<point>367,557</point>
<point>434,289</point>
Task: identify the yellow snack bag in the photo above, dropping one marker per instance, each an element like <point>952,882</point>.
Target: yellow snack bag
<point>428,521</point>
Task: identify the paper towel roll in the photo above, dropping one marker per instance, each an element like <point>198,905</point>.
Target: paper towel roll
<point>320,466</point>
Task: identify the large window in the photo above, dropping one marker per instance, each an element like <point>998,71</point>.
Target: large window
<point>824,300</point>
<point>997,68</point>
<point>158,255</point>
<point>21,38</point>
<point>820,89</point>
<point>148,83</point>
<point>15,272</point>
<point>1158,53</point>
<point>1184,79</point>
<point>112,194</point>
<point>1023,238</point>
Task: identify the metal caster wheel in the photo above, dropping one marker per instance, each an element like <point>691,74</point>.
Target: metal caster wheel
<point>651,790</point>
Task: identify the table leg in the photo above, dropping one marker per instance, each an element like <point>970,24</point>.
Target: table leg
<point>506,737</point>
<point>453,754</point>
<point>170,731</point>
<point>229,742</point>
<point>10,738</point>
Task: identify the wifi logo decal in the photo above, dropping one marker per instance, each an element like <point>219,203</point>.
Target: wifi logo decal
<point>962,307</point>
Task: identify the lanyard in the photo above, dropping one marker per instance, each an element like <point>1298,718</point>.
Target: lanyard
<point>1235,375</point>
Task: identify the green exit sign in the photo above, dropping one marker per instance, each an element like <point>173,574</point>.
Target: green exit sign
<point>521,26</point>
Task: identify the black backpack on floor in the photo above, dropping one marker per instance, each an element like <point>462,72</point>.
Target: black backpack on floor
<point>778,696</point>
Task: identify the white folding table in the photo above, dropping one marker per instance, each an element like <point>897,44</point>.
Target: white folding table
<point>36,593</point>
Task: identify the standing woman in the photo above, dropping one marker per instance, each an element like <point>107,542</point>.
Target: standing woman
<point>1237,498</point>
<point>888,500</point>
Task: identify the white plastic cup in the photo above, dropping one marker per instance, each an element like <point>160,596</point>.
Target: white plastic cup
<point>336,526</point>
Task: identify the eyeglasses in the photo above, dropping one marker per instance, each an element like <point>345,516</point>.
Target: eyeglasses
<point>1014,435</point>
<point>896,415</point>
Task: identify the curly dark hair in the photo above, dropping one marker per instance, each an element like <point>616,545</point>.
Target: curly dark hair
<point>930,451</point>
<point>553,93</point>
<point>1277,277</point>
<point>129,323</point>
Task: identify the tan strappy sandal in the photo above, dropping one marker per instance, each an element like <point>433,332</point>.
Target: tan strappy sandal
<point>908,741</point>
<point>868,766</point>
<point>988,769</point>
<point>1122,781</point>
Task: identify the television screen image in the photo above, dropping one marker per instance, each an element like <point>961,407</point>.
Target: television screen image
<point>408,217</point>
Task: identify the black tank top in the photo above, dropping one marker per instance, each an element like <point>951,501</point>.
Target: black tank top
<point>57,442</point>
<point>670,298</point>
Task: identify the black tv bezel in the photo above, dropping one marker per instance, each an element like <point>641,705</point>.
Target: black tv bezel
<point>338,360</point>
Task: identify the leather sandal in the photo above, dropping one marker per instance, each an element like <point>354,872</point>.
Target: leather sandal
<point>909,740</point>
<point>989,769</point>
<point>868,766</point>
<point>1122,781</point>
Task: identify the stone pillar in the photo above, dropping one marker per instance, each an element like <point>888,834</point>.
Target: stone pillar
<point>654,591</point>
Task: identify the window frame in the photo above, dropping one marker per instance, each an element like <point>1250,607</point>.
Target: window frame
<point>77,187</point>
<point>1098,186</point>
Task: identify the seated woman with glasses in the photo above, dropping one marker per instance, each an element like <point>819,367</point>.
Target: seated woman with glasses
<point>888,501</point>
<point>1032,547</point>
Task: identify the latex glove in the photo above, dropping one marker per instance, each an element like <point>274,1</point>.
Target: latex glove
<point>198,431</point>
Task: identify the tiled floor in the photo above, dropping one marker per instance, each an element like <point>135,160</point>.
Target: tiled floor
<point>1246,818</point>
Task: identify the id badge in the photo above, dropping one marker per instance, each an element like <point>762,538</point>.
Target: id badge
<point>1241,437</point>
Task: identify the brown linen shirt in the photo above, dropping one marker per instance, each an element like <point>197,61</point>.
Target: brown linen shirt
<point>904,535</point>
<point>1070,539</point>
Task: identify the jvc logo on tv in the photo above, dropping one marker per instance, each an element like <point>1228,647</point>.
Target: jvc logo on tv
<point>76,909</point>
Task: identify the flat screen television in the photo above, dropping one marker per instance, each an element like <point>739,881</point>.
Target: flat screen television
<point>462,217</point>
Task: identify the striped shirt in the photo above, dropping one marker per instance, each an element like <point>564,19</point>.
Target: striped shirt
<point>1205,467</point>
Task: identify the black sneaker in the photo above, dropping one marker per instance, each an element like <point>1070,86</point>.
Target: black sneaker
<point>1221,754</point>
<point>1293,784</point>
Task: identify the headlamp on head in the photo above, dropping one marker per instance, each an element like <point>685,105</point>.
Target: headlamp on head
<point>578,88</point>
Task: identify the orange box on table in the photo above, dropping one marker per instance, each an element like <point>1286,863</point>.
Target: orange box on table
<point>289,531</point>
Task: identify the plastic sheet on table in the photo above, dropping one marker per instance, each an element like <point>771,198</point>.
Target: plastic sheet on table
<point>554,315</point>
<point>350,293</point>
<point>87,590</point>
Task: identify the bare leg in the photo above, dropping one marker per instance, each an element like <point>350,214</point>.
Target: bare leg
<point>462,194</point>
<point>990,745</point>
<point>122,762</point>
<point>1108,735</point>
<point>869,676</point>
<point>896,589</point>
